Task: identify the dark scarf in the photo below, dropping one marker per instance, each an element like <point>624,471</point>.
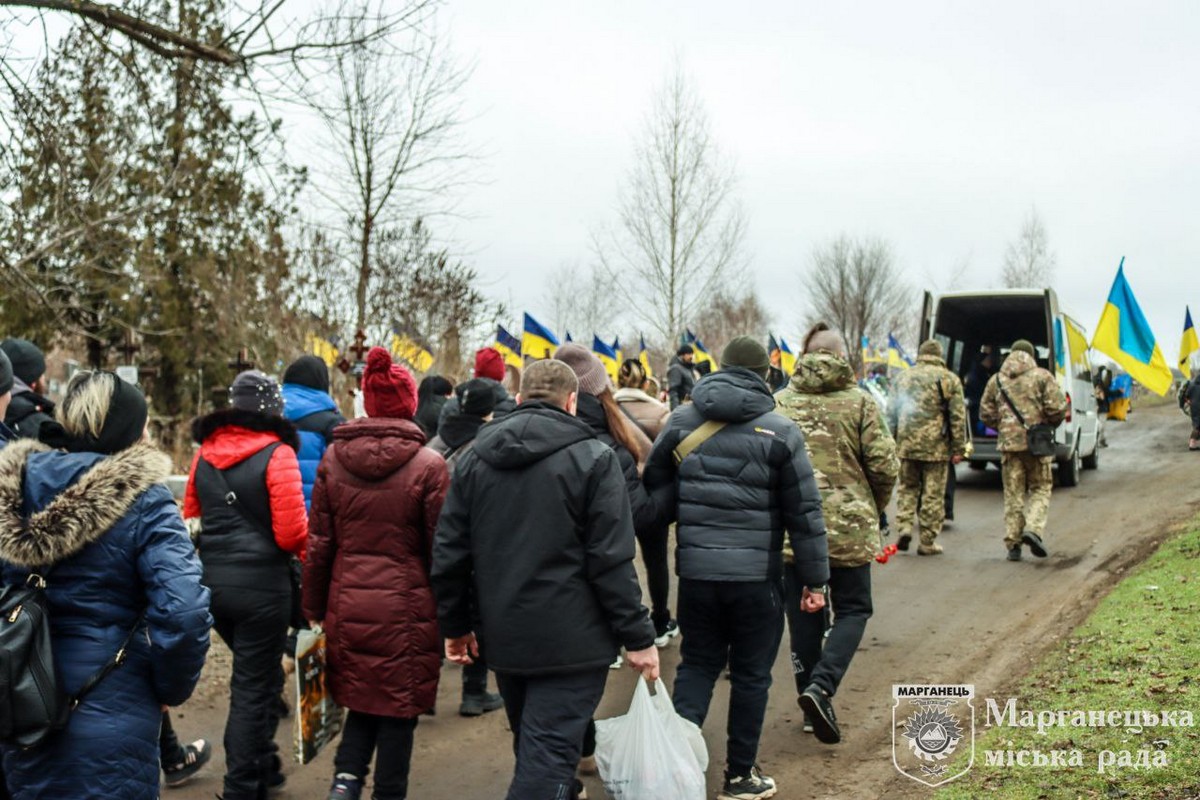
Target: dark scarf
<point>123,427</point>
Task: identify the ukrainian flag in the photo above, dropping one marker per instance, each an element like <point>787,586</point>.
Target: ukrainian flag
<point>1124,335</point>
<point>1189,346</point>
<point>322,348</point>
<point>896,356</point>
<point>509,347</point>
<point>616,346</point>
<point>537,342</point>
<point>787,359</point>
<point>411,352</point>
<point>608,357</point>
<point>700,355</point>
<point>644,358</point>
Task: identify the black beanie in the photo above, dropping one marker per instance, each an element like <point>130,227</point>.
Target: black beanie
<point>123,426</point>
<point>748,353</point>
<point>685,350</point>
<point>254,391</point>
<point>28,363</point>
<point>308,371</point>
<point>6,374</point>
<point>477,397</point>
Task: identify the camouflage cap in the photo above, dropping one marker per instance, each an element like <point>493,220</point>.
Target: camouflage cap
<point>1024,346</point>
<point>930,347</point>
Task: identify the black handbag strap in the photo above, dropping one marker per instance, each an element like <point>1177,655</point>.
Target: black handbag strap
<point>117,660</point>
<point>1011,404</point>
<point>232,499</point>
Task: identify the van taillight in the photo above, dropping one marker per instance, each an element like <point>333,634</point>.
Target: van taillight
<point>1070,408</point>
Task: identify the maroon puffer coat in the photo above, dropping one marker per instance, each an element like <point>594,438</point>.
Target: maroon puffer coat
<point>374,512</point>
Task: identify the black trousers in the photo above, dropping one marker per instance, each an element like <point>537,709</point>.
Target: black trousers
<point>389,739</point>
<point>734,623</point>
<point>475,674</point>
<point>850,600</point>
<point>170,751</point>
<point>253,623</point>
<point>549,715</point>
<point>951,488</point>
<point>658,575</point>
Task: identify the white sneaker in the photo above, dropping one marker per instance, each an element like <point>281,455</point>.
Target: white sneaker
<point>664,639</point>
<point>620,662</point>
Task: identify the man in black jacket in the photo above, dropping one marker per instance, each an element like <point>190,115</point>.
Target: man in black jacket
<point>740,477</point>
<point>489,366</point>
<point>537,529</point>
<point>29,406</point>
<point>681,376</point>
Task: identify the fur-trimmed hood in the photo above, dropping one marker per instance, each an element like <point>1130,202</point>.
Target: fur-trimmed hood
<point>204,427</point>
<point>80,513</point>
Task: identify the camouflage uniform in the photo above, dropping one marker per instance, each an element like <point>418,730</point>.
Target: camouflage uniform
<point>927,437</point>
<point>851,451</point>
<point>1037,394</point>
<point>854,461</point>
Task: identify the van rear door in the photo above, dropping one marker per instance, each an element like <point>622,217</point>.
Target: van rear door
<point>926,317</point>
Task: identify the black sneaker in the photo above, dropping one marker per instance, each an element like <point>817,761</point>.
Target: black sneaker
<point>195,756</point>
<point>346,787</point>
<point>668,632</point>
<point>808,724</point>
<point>476,705</point>
<point>1014,553</point>
<point>816,704</point>
<point>903,542</point>
<point>754,786</point>
<point>1035,543</point>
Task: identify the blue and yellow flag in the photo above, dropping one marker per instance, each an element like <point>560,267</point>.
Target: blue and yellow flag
<point>607,356</point>
<point>509,347</point>
<point>1124,335</point>
<point>644,357</point>
<point>537,341</point>
<point>896,356</point>
<point>1189,346</point>
<point>700,354</point>
<point>322,348</point>
<point>787,359</point>
<point>412,352</point>
<point>616,346</point>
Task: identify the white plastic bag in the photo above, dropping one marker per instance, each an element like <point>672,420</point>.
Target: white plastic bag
<point>651,753</point>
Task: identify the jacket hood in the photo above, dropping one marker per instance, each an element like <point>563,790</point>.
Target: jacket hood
<point>533,432</point>
<point>732,395</point>
<point>302,401</point>
<point>630,395</point>
<point>591,411</point>
<point>821,373</point>
<point>1017,364</point>
<point>932,361</point>
<point>91,493</point>
<point>375,447</point>
<point>458,429</point>
<point>204,428</point>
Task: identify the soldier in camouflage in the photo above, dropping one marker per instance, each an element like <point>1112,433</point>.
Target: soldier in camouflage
<point>854,459</point>
<point>929,419</point>
<point>1036,393</point>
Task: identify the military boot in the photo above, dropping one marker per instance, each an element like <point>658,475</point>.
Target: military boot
<point>931,549</point>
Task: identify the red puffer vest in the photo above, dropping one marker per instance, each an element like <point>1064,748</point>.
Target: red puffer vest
<point>375,508</point>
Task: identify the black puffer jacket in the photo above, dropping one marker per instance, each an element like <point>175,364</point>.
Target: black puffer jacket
<point>738,492</point>
<point>537,524</point>
<point>505,403</point>
<point>26,413</point>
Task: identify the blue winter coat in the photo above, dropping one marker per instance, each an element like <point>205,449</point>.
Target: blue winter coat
<point>315,416</point>
<point>118,546</point>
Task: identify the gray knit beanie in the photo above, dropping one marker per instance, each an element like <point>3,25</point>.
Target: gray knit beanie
<point>254,391</point>
<point>593,378</point>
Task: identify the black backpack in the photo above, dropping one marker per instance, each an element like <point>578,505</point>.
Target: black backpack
<point>33,704</point>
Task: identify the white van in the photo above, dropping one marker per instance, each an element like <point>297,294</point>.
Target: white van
<point>976,330</point>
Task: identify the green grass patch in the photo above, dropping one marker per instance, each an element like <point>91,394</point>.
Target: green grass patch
<point>1138,651</point>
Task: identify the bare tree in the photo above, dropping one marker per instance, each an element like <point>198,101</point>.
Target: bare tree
<point>680,227</point>
<point>580,301</point>
<point>856,287</point>
<point>1028,261</point>
<point>393,120</point>
<point>728,315</point>
<point>256,31</point>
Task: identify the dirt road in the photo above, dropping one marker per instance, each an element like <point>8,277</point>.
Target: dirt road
<point>968,616</point>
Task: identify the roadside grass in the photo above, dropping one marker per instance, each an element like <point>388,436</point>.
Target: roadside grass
<point>1139,650</point>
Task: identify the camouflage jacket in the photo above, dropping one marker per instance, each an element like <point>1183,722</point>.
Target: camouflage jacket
<point>1035,392</point>
<point>924,430</point>
<point>852,453</point>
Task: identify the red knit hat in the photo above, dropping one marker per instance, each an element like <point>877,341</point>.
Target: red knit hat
<point>388,389</point>
<point>489,364</point>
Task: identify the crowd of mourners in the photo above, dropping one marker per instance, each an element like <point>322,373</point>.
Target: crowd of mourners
<point>463,524</point>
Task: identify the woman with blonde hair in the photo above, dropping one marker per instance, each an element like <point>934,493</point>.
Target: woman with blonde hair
<point>93,519</point>
<point>649,414</point>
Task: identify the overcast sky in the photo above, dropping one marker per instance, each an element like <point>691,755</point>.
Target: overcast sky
<point>936,125</point>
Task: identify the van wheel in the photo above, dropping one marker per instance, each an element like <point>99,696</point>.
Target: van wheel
<point>1092,461</point>
<point>1068,471</point>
